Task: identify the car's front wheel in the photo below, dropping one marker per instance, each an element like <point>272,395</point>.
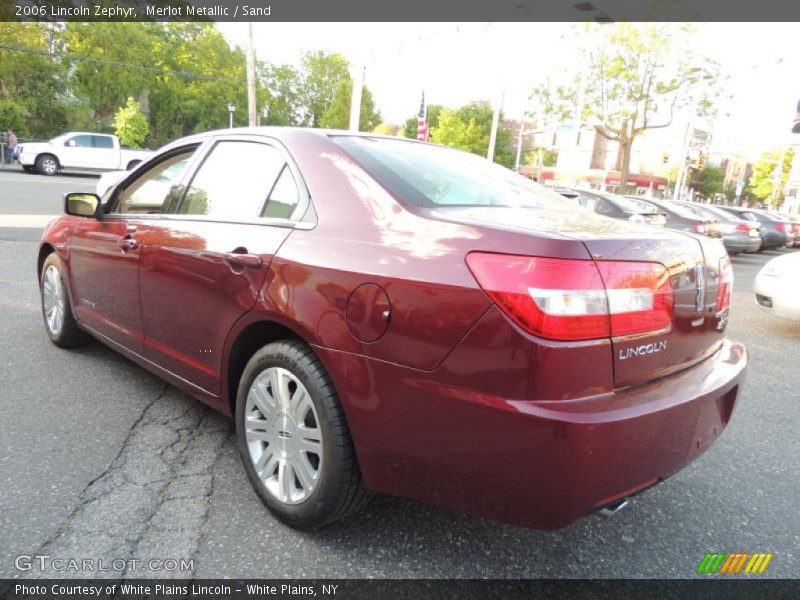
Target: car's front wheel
<point>47,164</point>
<point>294,439</point>
<point>56,309</point>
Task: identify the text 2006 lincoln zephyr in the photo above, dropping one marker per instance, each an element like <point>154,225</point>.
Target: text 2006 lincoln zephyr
<point>383,315</point>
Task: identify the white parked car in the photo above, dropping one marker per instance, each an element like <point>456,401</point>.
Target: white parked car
<point>78,151</point>
<point>777,286</point>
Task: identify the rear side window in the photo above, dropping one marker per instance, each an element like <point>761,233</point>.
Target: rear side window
<point>234,181</point>
<point>283,198</point>
<point>102,141</point>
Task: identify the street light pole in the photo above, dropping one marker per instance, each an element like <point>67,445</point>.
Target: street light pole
<point>682,173</point>
<point>231,110</point>
<point>495,123</point>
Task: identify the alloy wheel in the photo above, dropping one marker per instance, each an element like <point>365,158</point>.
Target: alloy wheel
<point>283,434</point>
<point>53,300</point>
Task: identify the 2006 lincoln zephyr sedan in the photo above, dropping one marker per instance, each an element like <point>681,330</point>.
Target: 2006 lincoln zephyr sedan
<point>385,315</point>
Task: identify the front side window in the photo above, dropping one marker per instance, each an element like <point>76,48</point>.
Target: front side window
<point>433,176</point>
<point>234,181</point>
<point>79,141</point>
<point>148,193</point>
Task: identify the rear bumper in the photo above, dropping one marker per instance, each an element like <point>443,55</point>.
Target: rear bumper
<point>735,244</point>
<point>540,464</point>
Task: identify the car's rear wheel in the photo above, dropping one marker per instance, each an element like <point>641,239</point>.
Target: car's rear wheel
<point>294,439</point>
<point>56,309</point>
<point>47,164</point>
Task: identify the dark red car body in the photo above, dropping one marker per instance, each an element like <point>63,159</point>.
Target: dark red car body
<point>447,399</point>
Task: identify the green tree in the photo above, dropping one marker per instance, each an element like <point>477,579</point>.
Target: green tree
<point>768,178</point>
<point>636,76</point>
<point>387,129</point>
<point>321,73</point>
<point>337,115</point>
<point>31,77</point>
<point>711,179</point>
<point>11,117</point>
<point>109,62</point>
<point>130,124</point>
<point>285,85</point>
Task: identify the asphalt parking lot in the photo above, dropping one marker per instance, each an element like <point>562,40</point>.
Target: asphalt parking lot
<point>100,459</point>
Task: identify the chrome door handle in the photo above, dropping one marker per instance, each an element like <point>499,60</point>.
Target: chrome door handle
<point>242,260</point>
<point>127,243</point>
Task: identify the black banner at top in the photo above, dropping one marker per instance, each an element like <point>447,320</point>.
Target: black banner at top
<point>399,10</point>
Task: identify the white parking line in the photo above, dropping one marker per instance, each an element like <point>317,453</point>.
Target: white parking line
<point>33,221</point>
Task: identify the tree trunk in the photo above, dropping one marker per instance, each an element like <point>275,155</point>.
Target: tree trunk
<point>626,143</point>
<point>626,146</point>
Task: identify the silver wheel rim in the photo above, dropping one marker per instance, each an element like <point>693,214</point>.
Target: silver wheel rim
<point>283,435</point>
<point>53,300</point>
<point>49,165</point>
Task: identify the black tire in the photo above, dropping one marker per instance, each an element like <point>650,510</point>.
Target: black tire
<point>47,164</point>
<point>338,491</point>
<point>68,335</point>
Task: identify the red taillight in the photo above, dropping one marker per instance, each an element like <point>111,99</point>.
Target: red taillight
<point>699,228</point>
<point>564,299</point>
<point>725,284</point>
<point>780,227</point>
<point>743,227</point>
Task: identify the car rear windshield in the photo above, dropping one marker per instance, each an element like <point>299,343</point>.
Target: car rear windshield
<point>432,176</point>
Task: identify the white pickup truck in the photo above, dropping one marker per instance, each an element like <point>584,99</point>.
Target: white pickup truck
<point>78,151</point>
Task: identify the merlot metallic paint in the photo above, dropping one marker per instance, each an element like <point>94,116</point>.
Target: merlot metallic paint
<point>447,400</point>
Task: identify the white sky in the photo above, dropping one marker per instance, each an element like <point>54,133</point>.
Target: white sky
<point>456,63</point>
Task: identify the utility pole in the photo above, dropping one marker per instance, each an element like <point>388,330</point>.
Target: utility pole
<point>682,173</point>
<point>495,123</point>
<point>251,80</point>
<point>355,100</point>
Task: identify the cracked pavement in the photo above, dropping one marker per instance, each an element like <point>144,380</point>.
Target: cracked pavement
<point>100,459</point>
<point>154,500</point>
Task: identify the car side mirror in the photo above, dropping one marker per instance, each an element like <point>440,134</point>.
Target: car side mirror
<point>70,143</point>
<point>81,204</point>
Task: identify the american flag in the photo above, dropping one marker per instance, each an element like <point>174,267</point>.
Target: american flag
<point>422,121</point>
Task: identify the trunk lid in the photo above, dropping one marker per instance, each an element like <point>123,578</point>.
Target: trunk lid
<point>693,263</point>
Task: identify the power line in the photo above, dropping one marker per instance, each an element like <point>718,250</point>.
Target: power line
<point>114,63</point>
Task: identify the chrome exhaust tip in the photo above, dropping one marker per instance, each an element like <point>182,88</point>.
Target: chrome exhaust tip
<point>614,508</point>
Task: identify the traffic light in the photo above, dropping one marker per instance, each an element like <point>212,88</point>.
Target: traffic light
<point>701,161</point>
<point>665,158</point>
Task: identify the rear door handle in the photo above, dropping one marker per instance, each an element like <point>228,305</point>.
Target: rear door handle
<point>242,260</point>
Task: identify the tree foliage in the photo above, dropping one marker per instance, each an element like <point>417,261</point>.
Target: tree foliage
<point>76,76</point>
<point>130,124</point>
<point>337,116</point>
<point>711,179</point>
<point>763,183</point>
<point>636,77</point>
<point>321,76</point>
